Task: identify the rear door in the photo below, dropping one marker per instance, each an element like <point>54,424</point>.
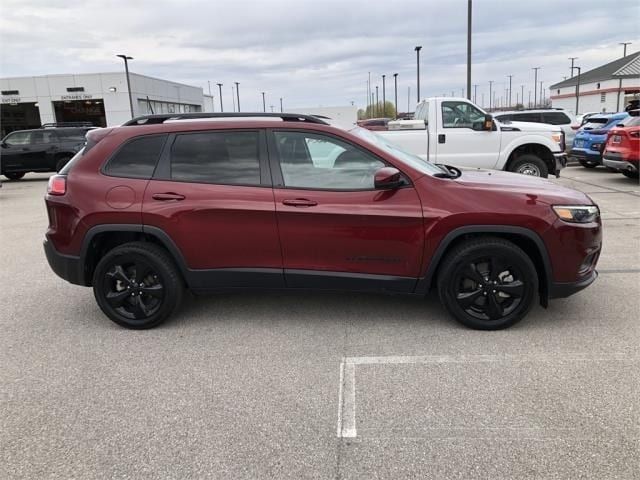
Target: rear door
<point>336,229</point>
<point>42,149</point>
<point>212,195</point>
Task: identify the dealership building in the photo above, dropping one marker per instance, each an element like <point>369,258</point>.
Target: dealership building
<point>608,88</point>
<point>99,98</point>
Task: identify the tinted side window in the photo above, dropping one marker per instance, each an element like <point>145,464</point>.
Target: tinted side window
<point>71,134</point>
<point>18,138</point>
<point>460,115</point>
<point>137,158</point>
<point>226,158</point>
<point>43,136</point>
<point>527,117</point>
<point>309,160</point>
<point>556,118</point>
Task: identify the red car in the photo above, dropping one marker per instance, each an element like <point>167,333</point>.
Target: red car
<point>212,202</point>
<point>374,124</point>
<point>622,150</point>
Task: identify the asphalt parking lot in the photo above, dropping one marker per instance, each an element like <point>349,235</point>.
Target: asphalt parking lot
<point>319,385</point>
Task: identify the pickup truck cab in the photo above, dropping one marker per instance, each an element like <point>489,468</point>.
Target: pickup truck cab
<point>454,131</point>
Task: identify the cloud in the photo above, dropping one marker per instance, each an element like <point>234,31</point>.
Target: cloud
<point>316,52</point>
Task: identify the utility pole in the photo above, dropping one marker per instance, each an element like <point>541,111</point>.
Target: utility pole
<point>572,60</point>
<point>482,104</point>
<point>469,9</point>
<point>395,93</point>
<point>408,98</point>
<point>490,90</point>
<point>577,90</point>
<point>264,105</point>
<point>510,77</point>
<point>213,105</point>
<point>522,94</point>
<point>535,85</point>
<point>377,102</point>
<point>233,97</point>
<point>238,94</point>
<point>281,109</point>
<point>384,98</point>
<point>529,105</point>
<point>475,93</point>
<point>220,89</point>
<point>369,95</point>
<point>417,49</point>
<point>624,44</point>
<point>541,95</point>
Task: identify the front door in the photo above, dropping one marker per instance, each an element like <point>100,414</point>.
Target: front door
<point>460,139</point>
<point>212,195</point>
<point>17,154</point>
<point>336,229</point>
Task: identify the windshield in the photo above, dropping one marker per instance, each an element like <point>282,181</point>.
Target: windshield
<point>392,149</point>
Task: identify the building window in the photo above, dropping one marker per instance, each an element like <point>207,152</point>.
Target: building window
<point>558,91</point>
<point>598,86</point>
<point>10,92</point>
<point>75,89</point>
<point>603,97</point>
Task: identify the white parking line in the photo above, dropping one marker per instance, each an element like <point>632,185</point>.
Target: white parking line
<point>347,390</point>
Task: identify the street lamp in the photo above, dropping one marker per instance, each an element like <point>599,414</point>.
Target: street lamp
<point>395,93</point>
<point>281,110</point>
<point>490,96</point>
<point>264,105</point>
<point>384,96</point>
<point>377,102</point>
<point>238,94</point>
<point>577,89</point>
<point>624,44</point>
<point>510,77</point>
<point>220,88</point>
<point>535,86</point>
<point>417,49</point>
<point>126,69</point>
<point>475,92</point>
<point>469,9</point>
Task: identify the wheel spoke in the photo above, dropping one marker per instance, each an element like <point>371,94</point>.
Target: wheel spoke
<point>471,272</point>
<point>140,310</point>
<point>466,299</point>
<point>116,299</point>
<point>119,274</point>
<point>156,290</point>
<point>513,289</point>
<point>494,309</point>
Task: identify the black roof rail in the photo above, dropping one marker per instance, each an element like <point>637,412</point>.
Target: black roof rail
<point>163,117</point>
<point>67,124</point>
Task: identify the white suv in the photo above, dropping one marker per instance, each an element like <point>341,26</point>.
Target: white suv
<point>559,117</point>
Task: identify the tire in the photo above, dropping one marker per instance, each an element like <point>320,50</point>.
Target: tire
<point>530,164</point>
<point>467,291</point>
<point>61,162</point>
<point>629,174</point>
<point>14,175</point>
<point>587,164</point>
<point>145,270</point>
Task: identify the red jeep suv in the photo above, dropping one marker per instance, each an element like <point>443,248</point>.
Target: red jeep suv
<point>211,202</point>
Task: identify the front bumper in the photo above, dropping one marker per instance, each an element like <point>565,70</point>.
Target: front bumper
<point>586,156</point>
<point>561,160</point>
<point>67,267</point>
<point>563,290</point>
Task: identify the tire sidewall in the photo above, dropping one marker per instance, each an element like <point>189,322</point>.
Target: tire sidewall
<point>532,159</point>
<point>519,260</point>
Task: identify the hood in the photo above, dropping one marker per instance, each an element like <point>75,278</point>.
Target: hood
<point>535,188</point>
<point>528,126</point>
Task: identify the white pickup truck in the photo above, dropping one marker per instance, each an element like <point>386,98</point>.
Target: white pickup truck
<point>454,131</point>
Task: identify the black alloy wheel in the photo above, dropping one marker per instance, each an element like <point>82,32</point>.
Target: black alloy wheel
<point>487,283</point>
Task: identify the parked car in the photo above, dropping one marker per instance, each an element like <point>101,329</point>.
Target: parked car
<point>590,139</point>
<point>45,149</point>
<point>375,124</point>
<point>622,149</point>
<point>455,131</point>
<point>583,117</point>
<point>553,116</point>
<point>165,202</point>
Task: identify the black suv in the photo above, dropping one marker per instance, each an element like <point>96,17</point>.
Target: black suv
<point>46,149</point>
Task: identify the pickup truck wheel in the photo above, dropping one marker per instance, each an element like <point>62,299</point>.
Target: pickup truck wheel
<point>61,162</point>
<point>530,164</point>
<point>487,283</point>
<point>14,175</point>
<point>137,285</point>
<point>587,164</point>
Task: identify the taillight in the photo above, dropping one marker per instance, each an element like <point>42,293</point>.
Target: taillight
<point>57,185</point>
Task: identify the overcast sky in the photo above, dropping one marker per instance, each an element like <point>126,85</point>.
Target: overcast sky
<point>317,52</point>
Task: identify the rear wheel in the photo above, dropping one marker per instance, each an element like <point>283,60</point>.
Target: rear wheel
<point>14,175</point>
<point>487,283</point>
<point>629,174</point>
<point>137,285</point>
<point>588,164</point>
<point>530,164</point>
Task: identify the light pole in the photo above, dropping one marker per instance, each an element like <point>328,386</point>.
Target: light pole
<point>220,89</point>
<point>469,50</point>
<point>264,105</point>
<point>384,96</point>
<point>510,77</point>
<point>535,86</point>
<point>572,60</point>
<point>618,107</point>
<point>577,89</point>
<point>213,105</point>
<point>522,94</point>
<point>417,49</point>
<point>395,93</point>
<point>377,101</point>
<point>126,70</point>
<point>238,94</point>
<point>281,110</point>
<point>233,97</point>
<point>490,96</point>
<point>624,44</point>
<point>541,95</point>
<point>475,92</point>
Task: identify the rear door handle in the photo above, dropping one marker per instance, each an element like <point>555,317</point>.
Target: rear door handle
<point>300,202</point>
<point>168,196</point>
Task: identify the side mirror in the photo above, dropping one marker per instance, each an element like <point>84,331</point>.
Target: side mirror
<point>388,178</point>
<point>488,123</point>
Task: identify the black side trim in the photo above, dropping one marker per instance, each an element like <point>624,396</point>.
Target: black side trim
<point>563,290</point>
<point>67,267</point>
<point>230,278</point>
<point>325,280</point>
<point>424,284</point>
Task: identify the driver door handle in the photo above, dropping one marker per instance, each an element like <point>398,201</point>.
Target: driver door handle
<point>167,196</point>
<point>442,138</point>
<point>299,202</point>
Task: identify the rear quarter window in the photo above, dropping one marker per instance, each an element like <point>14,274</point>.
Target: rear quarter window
<point>137,158</point>
<point>556,118</point>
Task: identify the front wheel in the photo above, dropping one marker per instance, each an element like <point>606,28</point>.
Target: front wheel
<point>487,283</point>
<point>14,175</point>
<point>530,164</point>
<point>137,285</point>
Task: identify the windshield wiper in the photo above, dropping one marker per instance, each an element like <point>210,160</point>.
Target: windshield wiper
<point>447,171</point>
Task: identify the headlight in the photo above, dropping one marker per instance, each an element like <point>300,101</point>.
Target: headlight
<point>577,213</point>
<point>557,137</point>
